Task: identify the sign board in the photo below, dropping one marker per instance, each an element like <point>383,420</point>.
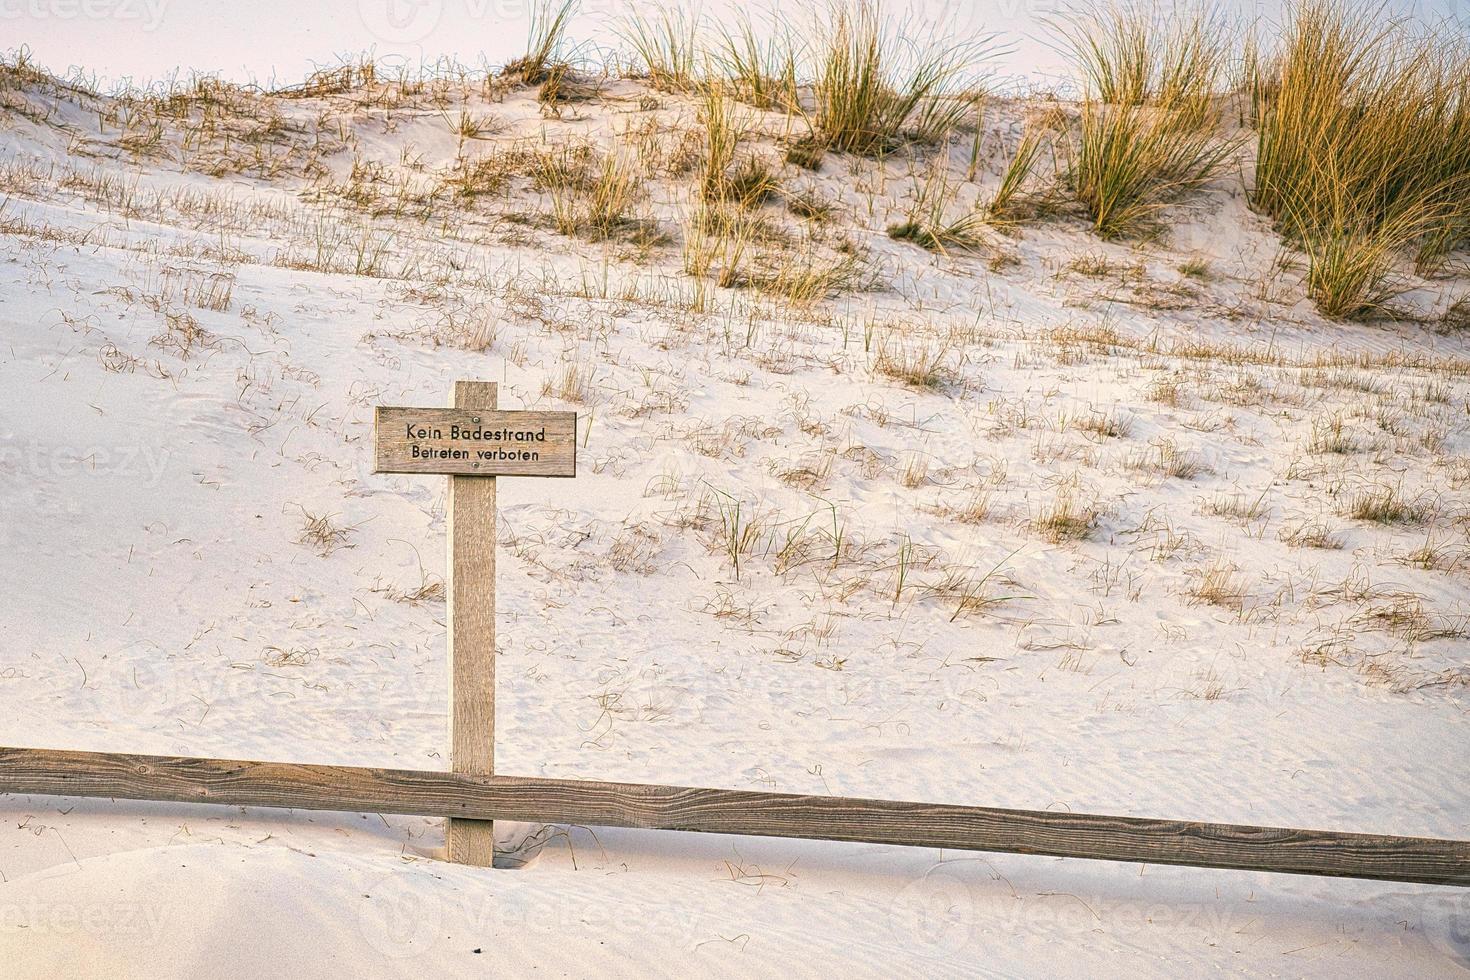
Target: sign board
<point>467,442</point>
<point>471,442</point>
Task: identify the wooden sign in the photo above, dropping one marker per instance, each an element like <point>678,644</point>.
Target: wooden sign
<point>472,796</point>
<point>473,442</point>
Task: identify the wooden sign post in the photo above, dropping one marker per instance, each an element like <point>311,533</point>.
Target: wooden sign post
<point>472,443</point>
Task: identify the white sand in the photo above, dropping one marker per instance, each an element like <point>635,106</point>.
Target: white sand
<point>157,598</point>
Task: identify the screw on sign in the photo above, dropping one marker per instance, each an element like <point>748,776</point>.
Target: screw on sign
<point>472,443</point>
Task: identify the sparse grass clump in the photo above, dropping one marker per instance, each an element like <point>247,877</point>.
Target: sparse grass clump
<point>1133,56</point>
<point>877,88</point>
<point>1167,459</point>
<point>763,70</point>
<point>1331,436</point>
<point>1363,149</point>
<point>182,334</point>
<point>1106,425</point>
<point>1095,265</point>
<point>740,532</point>
<point>1129,162</point>
<point>1240,508</point>
<point>565,166</point>
<point>972,589</point>
<point>549,20</point>
<point>1436,556</point>
<point>1146,136</point>
<point>667,47</point>
<point>561,86</point>
<point>741,246</point>
<point>1195,268</point>
<point>485,176</point>
<point>717,238</point>
<point>1220,584</point>
<point>1310,534</point>
<point>1405,616</point>
<point>961,234</point>
<point>571,383</point>
<point>810,204</point>
<point>470,126</point>
<point>806,152</point>
<point>590,195</point>
<point>1011,202</point>
<point>929,222</point>
<point>1066,518</point>
<point>805,276</point>
<point>1457,315</point>
<point>752,181</point>
<point>976,507</point>
<point>611,197</point>
<point>921,365</point>
<point>724,175</point>
<point>1169,389</point>
<point>913,470</point>
<point>1385,505</point>
<point>323,533</point>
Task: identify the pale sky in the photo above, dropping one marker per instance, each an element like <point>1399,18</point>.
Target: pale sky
<point>148,40</point>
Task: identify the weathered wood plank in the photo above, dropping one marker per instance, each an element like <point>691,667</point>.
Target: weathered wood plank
<point>471,612</point>
<point>716,811</point>
<point>471,439</point>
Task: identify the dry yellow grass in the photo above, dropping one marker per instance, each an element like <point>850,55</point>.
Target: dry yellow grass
<point>1363,148</point>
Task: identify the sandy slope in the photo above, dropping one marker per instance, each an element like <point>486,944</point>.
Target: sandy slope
<point>188,910</point>
<point>164,450</point>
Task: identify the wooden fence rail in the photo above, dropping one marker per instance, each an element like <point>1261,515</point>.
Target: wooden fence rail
<point>480,442</point>
<point>719,811</point>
